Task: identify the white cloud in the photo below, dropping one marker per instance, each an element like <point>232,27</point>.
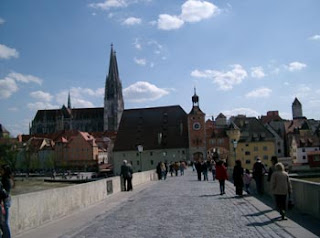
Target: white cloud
<point>132,21</point>
<point>7,52</point>
<point>168,22</point>
<point>257,72</point>
<point>43,96</point>
<point>137,44</point>
<point>106,5</point>
<point>195,11</point>
<point>41,105</point>
<point>302,91</point>
<point>143,91</point>
<point>140,61</point>
<point>2,21</point>
<point>7,87</point>
<point>315,37</point>
<point>296,66</point>
<point>225,80</point>
<point>259,93</point>
<point>79,96</point>
<point>241,111</point>
<point>191,11</point>
<point>25,78</point>
<point>13,109</point>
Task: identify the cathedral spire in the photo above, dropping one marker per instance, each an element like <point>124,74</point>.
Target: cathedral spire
<point>113,99</point>
<point>69,101</point>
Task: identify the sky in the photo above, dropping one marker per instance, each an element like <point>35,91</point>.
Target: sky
<point>242,56</point>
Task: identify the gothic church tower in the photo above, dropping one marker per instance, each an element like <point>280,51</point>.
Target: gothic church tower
<point>113,99</point>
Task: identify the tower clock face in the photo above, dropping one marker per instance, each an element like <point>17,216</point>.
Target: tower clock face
<point>196,126</point>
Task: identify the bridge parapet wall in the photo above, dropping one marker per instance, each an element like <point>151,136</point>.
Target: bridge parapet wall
<point>31,210</point>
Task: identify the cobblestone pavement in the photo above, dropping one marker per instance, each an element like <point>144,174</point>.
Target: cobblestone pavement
<point>184,207</point>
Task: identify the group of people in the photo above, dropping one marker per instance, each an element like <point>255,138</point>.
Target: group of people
<point>204,167</point>
<point>126,173</point>
<point>278,179</point>
<point>174,167</point>
<point>6,184</point>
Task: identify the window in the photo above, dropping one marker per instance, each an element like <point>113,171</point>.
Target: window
<point>265,157</point>
<point>151,153</point>
<point>303,150</point>
<point>255,148</point>
<point>248,161</point>
<point>183,152</point>
<point>138,162</point>
<point>304,157</point>
<point>247,145</point>
<point>151,162</point>
<point>137,154</point>
<point>247,153</point>
<point>279,151</point>
<point>265,148</point>
<point>124,155</point>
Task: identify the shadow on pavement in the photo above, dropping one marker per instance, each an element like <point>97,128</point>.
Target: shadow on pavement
<point>265,223</point>
<point>259,213</point>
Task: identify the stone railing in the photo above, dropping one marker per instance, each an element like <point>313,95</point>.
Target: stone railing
<point>35,209</point>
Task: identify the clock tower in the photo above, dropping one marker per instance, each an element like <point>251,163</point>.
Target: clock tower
<point>197,131</point>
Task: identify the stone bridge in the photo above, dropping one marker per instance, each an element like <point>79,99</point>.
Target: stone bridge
<point>179,207</point>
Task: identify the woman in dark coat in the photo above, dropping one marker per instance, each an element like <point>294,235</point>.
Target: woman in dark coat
<point>238,177</point>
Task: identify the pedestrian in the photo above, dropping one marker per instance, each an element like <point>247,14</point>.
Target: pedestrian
<point>171,168</point>
<point>204,167</point>
<point>221,175</point>
<point>213,169</point>
<point>126,174</point>
<point>274,161</point>
<point>182,167</point>
<point>6,184</point>
<point>258,172</point>
<point>199,169</point>
<point>280,187</point>
<point>238,177</point>
<point>176,167</point>
<point>159,170</point>
<point>163,171</point>
<point>247,180</point>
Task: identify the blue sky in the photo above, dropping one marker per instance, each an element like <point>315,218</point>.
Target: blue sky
<point>243,57</point>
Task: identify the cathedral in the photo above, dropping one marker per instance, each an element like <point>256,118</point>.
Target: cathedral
<point>97,119</point>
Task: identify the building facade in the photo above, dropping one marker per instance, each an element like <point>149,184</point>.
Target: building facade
<point>147,136</point>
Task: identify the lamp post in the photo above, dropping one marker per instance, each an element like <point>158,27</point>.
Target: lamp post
<point>140,149</point>
<point>235,144</point>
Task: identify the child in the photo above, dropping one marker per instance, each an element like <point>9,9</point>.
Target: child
<point>247,180</point>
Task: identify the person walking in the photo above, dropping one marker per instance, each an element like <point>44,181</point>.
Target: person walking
<point>5,199</point>
<point>199,169</point>
<point>163,171</point>
<point>238,177</point>
<point>159,171</point>
<point>258,172</point>
<point>247,180</point>
<point>126,174</point>
<point>280,187</point>
<point>204,167</point>
<point>274,161</point>
<point>221,175</point>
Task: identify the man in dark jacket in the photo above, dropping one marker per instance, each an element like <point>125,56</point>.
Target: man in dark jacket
<point>258,172</point>
<point>126,174</point>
